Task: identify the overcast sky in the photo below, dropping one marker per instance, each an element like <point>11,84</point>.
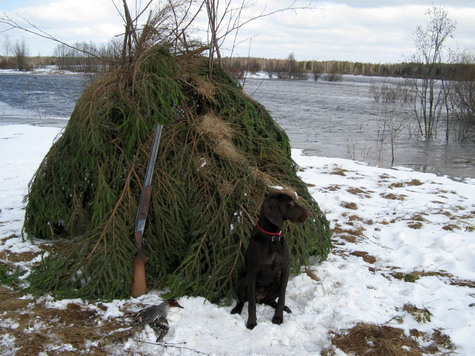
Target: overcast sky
<point>367,31</point>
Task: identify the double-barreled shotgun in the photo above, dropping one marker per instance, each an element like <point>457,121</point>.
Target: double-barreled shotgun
<point>139,282</point>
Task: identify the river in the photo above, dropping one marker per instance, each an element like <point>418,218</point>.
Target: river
<point>332,119</point>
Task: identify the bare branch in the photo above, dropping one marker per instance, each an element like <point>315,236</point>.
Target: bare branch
<point>33,29</point>
<point>230,19</point>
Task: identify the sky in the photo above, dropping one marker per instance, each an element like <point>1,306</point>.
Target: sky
<point>377,31</point>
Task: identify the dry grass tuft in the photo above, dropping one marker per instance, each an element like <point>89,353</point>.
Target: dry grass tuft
<point>359,192</point>
<point>444,276</point>
<point>370,339</point>
<point>421,315</point>
<point>333,188</point>
<point>376,340</point>
<point>12,236</point>
<point>37,328</point>
<point>220,133</point>
<point>392,196</point>
<point>365,256</point>
<point>205,88</point>
<point>416,225</point>
<point>312,274</point>
<point>16,257</point>
<point>214,127</point>
<point>447,277</point>
<point>450,227</point>
<point>349,205</point>
<point>337,171</point>
<point>11,300</point>
<point>412,183</point>
<point>352,218</point>
<point>350,235</point>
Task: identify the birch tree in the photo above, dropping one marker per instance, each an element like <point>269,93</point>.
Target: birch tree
<point>430,42</point>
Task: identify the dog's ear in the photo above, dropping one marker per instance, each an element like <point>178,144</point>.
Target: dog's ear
<point>271,210</point>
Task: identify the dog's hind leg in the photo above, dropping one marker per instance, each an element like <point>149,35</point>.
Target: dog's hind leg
<point>274,305</point>
<point>251,298</point>
<point>242,296</point>
<point>238,308</point>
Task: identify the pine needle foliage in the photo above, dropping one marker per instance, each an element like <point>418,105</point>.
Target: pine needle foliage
<point>220,154</point>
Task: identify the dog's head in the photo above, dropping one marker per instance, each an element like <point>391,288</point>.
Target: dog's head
<point>278,207</point>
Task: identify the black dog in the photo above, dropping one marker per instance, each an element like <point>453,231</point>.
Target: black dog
<point>268,258</point>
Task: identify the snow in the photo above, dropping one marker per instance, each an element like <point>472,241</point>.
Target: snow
<point>43,70</point>
<point>408,223</point>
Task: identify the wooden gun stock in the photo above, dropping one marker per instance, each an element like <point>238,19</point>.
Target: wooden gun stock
<point>139,281</point>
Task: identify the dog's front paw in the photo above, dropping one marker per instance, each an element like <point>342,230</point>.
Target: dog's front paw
<point>251,324</point>
<point>277,320</point>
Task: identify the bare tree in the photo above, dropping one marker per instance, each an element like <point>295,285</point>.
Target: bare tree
<point>430,41</point>
<point>166,24</point>
<point>462,96</point>
<point>391,123</point>
<point>6,46</point>
<point>20,52</point>
<point>225,18</point>
<point>387,91</point>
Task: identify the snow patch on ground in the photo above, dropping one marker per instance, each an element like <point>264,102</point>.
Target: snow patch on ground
<point>400,238</point>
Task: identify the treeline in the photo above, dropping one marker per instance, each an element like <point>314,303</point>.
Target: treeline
<point>89,58</point>
<point>291,69</point>
<point>81,57</point>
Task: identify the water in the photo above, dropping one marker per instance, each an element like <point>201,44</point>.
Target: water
<point>342,119</point>
<point>324,118</point>
<point>39,99</point>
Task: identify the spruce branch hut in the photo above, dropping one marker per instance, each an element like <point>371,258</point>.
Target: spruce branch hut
<point>220,154</point>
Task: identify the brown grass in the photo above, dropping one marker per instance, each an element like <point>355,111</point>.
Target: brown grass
<point>76,325</point>
<point>349,238</point>
<point>312,275</point>
<point>419,217</point>
<point>18,257</point>
<point>365,256</point>
<point>337,171</point>
<point>349,205</point>
<point>421,315</point>
<point>444,276</point>
<point>359,192</point>
<point>9,237</point>
<point>414,182</point>
<point>370,339</point>
<point>205,88</point>
<point>333,188</point>
<point>220,133</point>
<point>350,235</point>
<point>450,227</point>
<point>392,196</point>
<point>352,218</point>
<point>377,340</point>
<point>415,225</point>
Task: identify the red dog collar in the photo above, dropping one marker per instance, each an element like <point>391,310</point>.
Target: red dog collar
<point>273,234</point>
